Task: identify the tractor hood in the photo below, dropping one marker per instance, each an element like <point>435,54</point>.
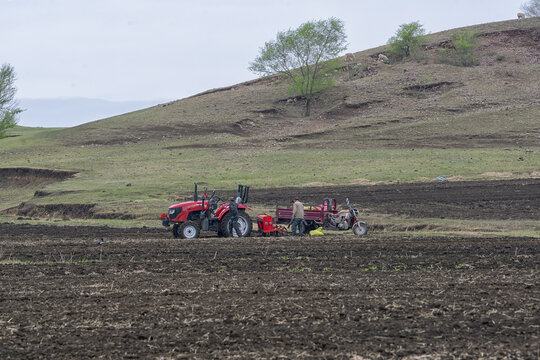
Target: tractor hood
<point>186,205</point>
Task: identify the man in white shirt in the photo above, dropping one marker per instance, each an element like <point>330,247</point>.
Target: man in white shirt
<point>297,220</point>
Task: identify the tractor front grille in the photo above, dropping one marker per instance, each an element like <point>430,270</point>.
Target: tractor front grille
<point>174,212</point>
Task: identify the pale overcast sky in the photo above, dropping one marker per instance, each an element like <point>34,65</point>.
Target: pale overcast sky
<point>156,50</point>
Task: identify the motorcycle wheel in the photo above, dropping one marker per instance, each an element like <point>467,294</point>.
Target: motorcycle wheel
<point>326,225</point>
<point>360,229</point>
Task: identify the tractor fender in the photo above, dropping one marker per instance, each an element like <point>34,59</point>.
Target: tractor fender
<point>226,210</point>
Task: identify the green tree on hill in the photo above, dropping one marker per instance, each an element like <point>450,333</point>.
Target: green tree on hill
<point>532,8</point>
<point>8,105</point>
<point>407,42</point>
<point>305,56</point>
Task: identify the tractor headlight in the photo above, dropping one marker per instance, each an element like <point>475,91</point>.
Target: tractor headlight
<point>174,212</point>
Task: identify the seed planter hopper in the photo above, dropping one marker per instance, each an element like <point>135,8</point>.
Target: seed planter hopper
<point>267,227</point>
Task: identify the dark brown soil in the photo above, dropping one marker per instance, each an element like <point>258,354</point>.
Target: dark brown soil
<point>144,295</point>
<point>21,231</point>
<point>508,199</point>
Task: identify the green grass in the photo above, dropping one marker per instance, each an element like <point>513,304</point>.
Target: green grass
<point>158,176</point>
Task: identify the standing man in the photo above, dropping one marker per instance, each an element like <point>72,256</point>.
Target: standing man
<point>297,220</point>
<point>233,223</point>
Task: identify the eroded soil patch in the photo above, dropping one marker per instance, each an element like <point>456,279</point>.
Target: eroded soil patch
<point>58,211</point>
<point>64,211</point>
<point>21,176</point>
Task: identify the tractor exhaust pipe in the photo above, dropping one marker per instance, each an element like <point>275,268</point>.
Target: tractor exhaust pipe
<point>243,192</point>
<point>239,192</point>
<point>195,197</point>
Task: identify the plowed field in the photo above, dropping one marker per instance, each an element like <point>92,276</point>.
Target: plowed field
<point>501,199</point>
<point>142,294</point>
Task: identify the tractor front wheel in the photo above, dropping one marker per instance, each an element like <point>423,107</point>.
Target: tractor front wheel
<point>189,230</point>
<point>175,230</point>
<point>244,223</point>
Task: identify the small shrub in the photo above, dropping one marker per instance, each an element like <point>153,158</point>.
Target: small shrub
<point>499,58</point>
<point>462,53</point>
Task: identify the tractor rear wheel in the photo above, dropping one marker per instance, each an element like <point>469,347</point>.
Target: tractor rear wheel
<point>360,228</point>
<point>189,230</point>
<point>244,223</point>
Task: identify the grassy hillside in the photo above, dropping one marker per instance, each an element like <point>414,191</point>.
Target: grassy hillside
<point>402,122</point>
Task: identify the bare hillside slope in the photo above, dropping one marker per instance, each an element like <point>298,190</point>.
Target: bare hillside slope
<point>408,104</point>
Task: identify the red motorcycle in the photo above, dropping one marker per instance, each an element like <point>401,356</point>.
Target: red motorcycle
<point>346,219</point>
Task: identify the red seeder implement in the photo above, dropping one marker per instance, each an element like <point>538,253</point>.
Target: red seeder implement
<point>267,227</point>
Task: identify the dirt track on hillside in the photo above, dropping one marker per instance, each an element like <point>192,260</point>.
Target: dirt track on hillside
<point>151,296</point>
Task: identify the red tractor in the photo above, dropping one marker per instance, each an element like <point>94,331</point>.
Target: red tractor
<point>189,218</point>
